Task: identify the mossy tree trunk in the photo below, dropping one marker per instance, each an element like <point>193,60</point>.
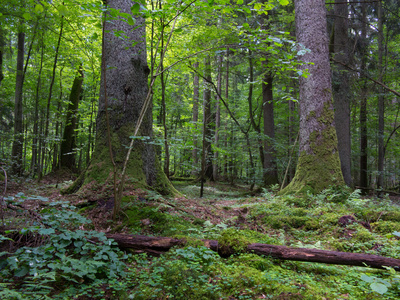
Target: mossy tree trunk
<point>123,91</point>
<point>318,166</point>
<point>68,144</point>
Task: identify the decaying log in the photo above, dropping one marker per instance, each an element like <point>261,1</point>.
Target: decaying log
<point>159,245</point>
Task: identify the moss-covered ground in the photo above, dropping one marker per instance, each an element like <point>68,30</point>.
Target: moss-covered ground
<point>237,218</point>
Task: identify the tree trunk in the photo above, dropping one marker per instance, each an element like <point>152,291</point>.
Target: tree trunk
<point>2,44</point>
<point>318,166</point>
<point>341,89</point>
<point>125,90</point>
<point>159,245</point>
<point>217,118</point>
<point>195,119</point>
<point>207,155</point>
<point>270,173</point>
<point>363,106</point>
<point>381,103</point>
<point>68,144</point>
<point>42,168</point>
<point>17,167</point>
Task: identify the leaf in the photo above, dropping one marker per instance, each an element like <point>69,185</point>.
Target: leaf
<point>62,9</point>
<point>131,21</point>
<point>22,271</point>
<point>135,8</point>
<point>367,278</point>
<point>379,288</point>
<point>239,2</point>
<point>27,16</point>
<point>39,8</point>
<point>284,2</point>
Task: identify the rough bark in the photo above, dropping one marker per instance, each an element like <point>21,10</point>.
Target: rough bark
<point>17,167</point>
<point>318,166</point>
<point>341,89</point>
<point>159,245</point>
<point>68,144</point>
<point>125,89</point>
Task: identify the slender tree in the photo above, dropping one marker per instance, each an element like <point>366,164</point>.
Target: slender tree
<point>17,166</point>
<point>318,166</point>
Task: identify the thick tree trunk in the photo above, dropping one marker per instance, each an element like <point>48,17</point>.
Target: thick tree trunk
<point>159,245</point>
<point>68,144</point>
<point>2,44</point>
<point>17,167</point>
<point>318,166</point>
<point>125,90</point>
<point>341,89</point>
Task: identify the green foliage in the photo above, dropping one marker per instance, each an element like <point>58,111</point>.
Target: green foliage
<point>69,261</point>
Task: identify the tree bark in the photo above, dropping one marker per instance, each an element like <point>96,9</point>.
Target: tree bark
<point>17,167</point>
<point>341,89</point>
<point>217,117</point>
<point>125,89</point>
<point>159,245</point>
<point>68,144</point>
<point>2,44</point>
<point>318,166</point>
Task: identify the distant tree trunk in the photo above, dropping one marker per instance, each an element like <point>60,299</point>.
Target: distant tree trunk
<point>68,143</point>
<point>195,119</point>
<point>341,89</point>
<point>207,155</point>
<point>2,43</point>
<point>46,130</point>
<point>381,103</point>
<point>318,166</point>
<point>123,91</point>
<point>58,125</point>
<point>363,107</point>
<point>270,173</point>
<point>217,118</point>
<point>17,167</point>
<point>253,123</point>
<point>35,142</point>
<point>226,123</point>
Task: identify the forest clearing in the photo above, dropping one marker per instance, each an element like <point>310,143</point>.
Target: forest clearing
<point>219,149</point>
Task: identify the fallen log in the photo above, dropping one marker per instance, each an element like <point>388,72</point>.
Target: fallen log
<point>158,245</point>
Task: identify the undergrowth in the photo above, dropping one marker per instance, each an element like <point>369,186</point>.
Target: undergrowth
<point>69,262</point>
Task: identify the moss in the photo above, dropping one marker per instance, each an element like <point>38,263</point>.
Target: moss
<point>363,235</point>
<point>386,226</point>
<point>320,167</point>
<point>280,221</point>
<point>238,240</point>
<point>390,216</point>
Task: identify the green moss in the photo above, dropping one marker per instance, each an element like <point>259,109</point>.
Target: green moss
<point>363,235</point>
<point>280,221</point>
<point>320,167</point>
<point>386,226</point>
<point>390,216</point>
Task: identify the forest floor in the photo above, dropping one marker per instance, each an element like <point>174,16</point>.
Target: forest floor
<point>195,272</point>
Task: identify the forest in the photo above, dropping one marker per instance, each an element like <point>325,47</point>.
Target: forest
<point>219,149</point>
